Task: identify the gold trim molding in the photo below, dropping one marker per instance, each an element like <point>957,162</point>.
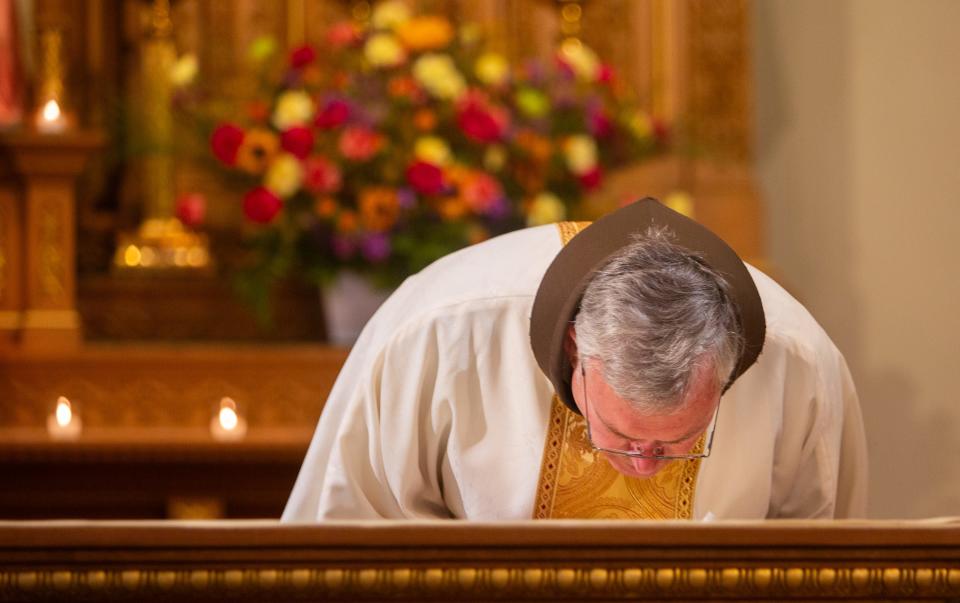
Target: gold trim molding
<point>471,581</point>
<point>563,560</point>
<point>10,319</point>
<point>51,319</point>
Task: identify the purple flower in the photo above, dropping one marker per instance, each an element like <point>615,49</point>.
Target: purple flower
<point>499,209</point>
<point>406,197</point>
<point>375,247</point>
<point>343,247</point>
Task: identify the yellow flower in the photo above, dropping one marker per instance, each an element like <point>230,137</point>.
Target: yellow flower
<point>680,202</point>
<point>284,176</point>
<point>641,125</point>
<point>546,208</point>
<point>294,108</point>
<point>184,70</point>
<point>384,50</point>
<point>494,158</point>
<point>583,61</point>
<point>471,33</point>
<point>439,76</point>
<point>432,150</point>
<point>262,48</point>
<point>390,14</point>
<point>425,33</point>
<point>492,68</point>
<point>581,154</point>
<point>532,102</point>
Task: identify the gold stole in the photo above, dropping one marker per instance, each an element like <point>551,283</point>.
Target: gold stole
<point>576,482</point>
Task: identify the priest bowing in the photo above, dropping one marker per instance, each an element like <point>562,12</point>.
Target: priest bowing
<point>635,368</point>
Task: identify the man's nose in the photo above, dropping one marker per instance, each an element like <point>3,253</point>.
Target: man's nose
<point>644,465</point>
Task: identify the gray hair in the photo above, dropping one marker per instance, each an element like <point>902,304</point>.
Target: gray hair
<point>654,315</point>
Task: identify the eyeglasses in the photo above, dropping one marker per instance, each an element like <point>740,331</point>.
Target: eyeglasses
<point>658,452</point>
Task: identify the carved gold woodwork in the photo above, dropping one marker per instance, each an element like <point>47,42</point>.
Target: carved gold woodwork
<point>248,561</point>
<point>11,252</point>
<point>46,167</point>
<point>134,388</point>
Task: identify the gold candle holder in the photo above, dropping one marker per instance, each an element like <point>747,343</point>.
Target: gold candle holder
<point>51,116</point>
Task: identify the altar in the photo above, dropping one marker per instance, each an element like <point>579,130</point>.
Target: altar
<point>443,561</point>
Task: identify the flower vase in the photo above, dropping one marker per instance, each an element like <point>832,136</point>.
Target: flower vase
<point>348,303</point>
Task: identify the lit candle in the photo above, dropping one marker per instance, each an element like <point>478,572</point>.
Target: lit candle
<point>64,423</point>
<point>50,119</point>
<point>227,423</point>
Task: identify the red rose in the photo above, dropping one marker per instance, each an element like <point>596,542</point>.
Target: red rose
<point>302,56</point>
<point>661,130</point>
<point>260,205</point>
<point>592,179</point>
<point>480,124</point>
<point>191,209</point>
<point>225,142</point>
<point>298,141</point>
<point>425,178</point>
<point>321,176</point>
<point>600,124</point>
<point>606,74</point>
<point>334,113</point>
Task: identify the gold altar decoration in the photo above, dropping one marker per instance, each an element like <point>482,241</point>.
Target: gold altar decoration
<point>161,242</point>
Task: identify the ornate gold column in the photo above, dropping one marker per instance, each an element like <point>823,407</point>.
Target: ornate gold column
<point>11,287</point>
<point>47,167</point>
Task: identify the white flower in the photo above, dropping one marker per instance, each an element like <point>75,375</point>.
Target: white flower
<point>438,74</point>
<point>390,14</point>
<point>581,154</point>
<point>546,208</point>
<point>492,68</point>
<point>284,176</point>
<point>294,108</point>
<point>432,149</point>
<point>384,50</point>
<point>583,61</point>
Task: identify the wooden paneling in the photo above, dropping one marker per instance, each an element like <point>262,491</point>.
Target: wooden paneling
<point>146,449</point>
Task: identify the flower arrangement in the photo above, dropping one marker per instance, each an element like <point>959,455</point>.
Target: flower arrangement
<point>408,140</point>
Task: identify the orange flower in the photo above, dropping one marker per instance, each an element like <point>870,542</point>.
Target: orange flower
<point>452,208</point>
<point>530,176</point>
<point>537,146</point>
<point>325,207</point>
<point>425,120</point>
<point>347,221</point>
<point>312,75</point>
<point>379,208</point>
<point>257,151</point>
<point>477,234</point>
<point>429,32</point>
<point>402,86</point>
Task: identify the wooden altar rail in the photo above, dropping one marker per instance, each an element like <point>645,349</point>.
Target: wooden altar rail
<point>550,560</point>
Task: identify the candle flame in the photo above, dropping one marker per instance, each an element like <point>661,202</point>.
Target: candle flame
<point>51,110</point>
<point>64,412</point>
<point>228,414</point>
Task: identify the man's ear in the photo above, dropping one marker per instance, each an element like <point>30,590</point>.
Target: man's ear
<point>570,344</point>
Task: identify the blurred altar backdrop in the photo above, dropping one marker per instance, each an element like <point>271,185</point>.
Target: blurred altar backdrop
<point>127,351</point>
